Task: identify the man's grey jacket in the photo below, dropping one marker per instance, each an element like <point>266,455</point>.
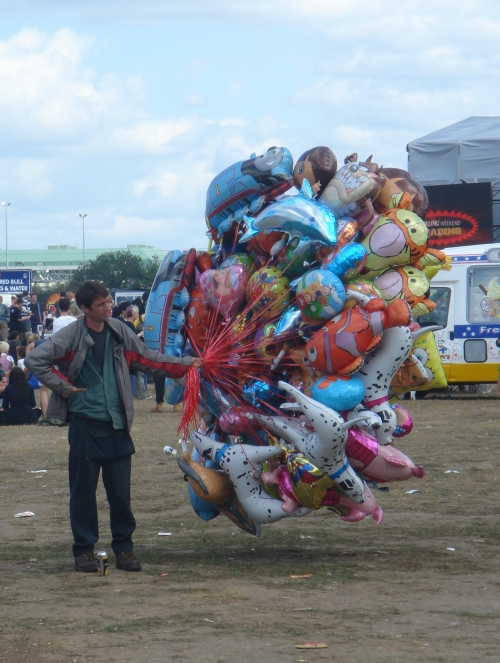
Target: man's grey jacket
<point>57,362</point>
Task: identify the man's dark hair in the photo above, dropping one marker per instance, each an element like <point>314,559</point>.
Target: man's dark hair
<point>123,306</point>
<point>19,300</point>
<point>25,292</point>
<point>21,351</point>
<point>64,304</point>
<point>13,335</point>
<point>145,295</point>
<point>62,294</point>
<point>88,292</point>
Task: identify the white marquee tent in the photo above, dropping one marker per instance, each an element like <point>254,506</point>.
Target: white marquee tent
<point>467,151</point>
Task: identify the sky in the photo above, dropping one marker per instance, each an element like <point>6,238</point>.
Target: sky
<point>125,110</point>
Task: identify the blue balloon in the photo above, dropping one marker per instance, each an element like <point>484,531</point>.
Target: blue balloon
<point>339,393</point>
<point>347,262</point>
<point>257,392</point>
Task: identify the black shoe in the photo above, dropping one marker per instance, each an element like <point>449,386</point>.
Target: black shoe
<point>126,561</point>
<point>86,563</point>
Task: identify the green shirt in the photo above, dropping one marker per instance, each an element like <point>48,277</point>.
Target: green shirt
<point>101,400</point>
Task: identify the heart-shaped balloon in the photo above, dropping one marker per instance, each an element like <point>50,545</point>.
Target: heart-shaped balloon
<point>224,289</point>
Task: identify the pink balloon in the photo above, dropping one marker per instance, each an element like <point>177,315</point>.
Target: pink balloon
<point>224,289</point>
<point>379,463</point>
<point>355,511</point>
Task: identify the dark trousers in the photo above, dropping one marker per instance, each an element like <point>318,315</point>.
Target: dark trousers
<point>159,389</point>
<point>83,478</point>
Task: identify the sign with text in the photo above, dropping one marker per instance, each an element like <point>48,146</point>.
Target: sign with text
<point>459,214</point>
<point>14,281</point>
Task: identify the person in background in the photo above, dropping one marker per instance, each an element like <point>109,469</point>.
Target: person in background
<point>38,314</point>
<point>26,312</point>
<point>19,404</point>
<point>74,309</point>
<point>21,355</point>
<point>4,320</point>
<point>3,384</point>
<point>44,392</point>
<point>64,318</point>
<point>18,318</point>
<point>7,362</point>
<point>62,295</point>
<point>13,343</point>
<point>95,392</point>
<point>139,388</point>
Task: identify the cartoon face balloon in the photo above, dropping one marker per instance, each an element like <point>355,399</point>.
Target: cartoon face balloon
<point>399,237</point>
<point>268,291</point>
<point>409,284</point>
<point>318,166</point>
<point>352,186</point>
<point>198,318</point>
<point>398,181</point>
<point>224,289</point>
<point>320,295</point>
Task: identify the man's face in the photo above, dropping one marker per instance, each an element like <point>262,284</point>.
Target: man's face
<point>99,311</point>
<point>33,299</point>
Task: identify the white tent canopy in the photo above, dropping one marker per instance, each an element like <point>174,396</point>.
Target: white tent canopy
<point>467,151</point>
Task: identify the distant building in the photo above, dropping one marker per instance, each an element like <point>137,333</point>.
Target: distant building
<point>56,264</point>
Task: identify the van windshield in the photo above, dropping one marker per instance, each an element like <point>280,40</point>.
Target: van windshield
<point>440,314</point>
<point>483,302</point>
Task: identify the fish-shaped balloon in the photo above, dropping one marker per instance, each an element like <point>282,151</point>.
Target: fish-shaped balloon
<point>299,216</point>
<point>340,346</point>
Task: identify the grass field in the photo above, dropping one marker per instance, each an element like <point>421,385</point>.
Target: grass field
<point>422,586</point>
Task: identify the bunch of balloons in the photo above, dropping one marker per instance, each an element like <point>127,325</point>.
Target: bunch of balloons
<point>304,310</point>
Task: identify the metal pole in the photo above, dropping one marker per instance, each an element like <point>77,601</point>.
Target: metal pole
<point>83,227</point>
<point>5,205</point>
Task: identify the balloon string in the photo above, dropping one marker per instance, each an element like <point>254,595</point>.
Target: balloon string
<point>191,403</point>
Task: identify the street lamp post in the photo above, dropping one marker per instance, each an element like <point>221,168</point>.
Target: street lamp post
<point>83,226</point>
<point>6,237</point>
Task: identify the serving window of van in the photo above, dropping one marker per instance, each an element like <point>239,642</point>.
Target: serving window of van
<point>483,299</point>
<point>439,316</point>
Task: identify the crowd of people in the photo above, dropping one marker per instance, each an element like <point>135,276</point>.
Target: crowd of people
<point>27,323</point>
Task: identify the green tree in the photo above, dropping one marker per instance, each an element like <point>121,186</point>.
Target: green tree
<point>118,269</point>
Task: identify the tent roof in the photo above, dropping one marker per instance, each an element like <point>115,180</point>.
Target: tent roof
<point>474,128</point>
<point>467,151</point>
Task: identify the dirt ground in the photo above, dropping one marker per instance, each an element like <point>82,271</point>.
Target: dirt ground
<point>422,586</point>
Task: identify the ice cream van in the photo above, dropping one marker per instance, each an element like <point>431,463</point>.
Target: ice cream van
<point>468,308</point>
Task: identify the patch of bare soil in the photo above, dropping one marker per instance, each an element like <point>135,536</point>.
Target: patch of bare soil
<point>423,586</point>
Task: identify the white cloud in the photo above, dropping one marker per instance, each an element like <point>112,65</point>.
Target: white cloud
<point>166,183</point>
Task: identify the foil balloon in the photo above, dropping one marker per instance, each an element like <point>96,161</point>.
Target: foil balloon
<point>318,165</point>
<point>299,216</point>
<point>203,261</point>
<point>243,464</point>
<point>268,291</point>
<point>235,421</point>
<point>379,463</point>
<point>257,392</point>
<point>238,259</point>
<point>245,186</point>
<point>404,421</point>
<point>320,295</point>
<point>337,392</point>
<point>279,477</point>
<point>361,286</point>
<point>354,186</point>
<point>265,344</point>
<point>198,318</point>
<point>289,321</point>
<point>427,352</point>
<point>406,283</point>
<point>224,289</point>
<point>350,511</point>
<point>399,237</point>
<point>341,345</point>
<point>262,243</point>
<point>346,262</point>
<point>397,181</point>
<point>291,263</point>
